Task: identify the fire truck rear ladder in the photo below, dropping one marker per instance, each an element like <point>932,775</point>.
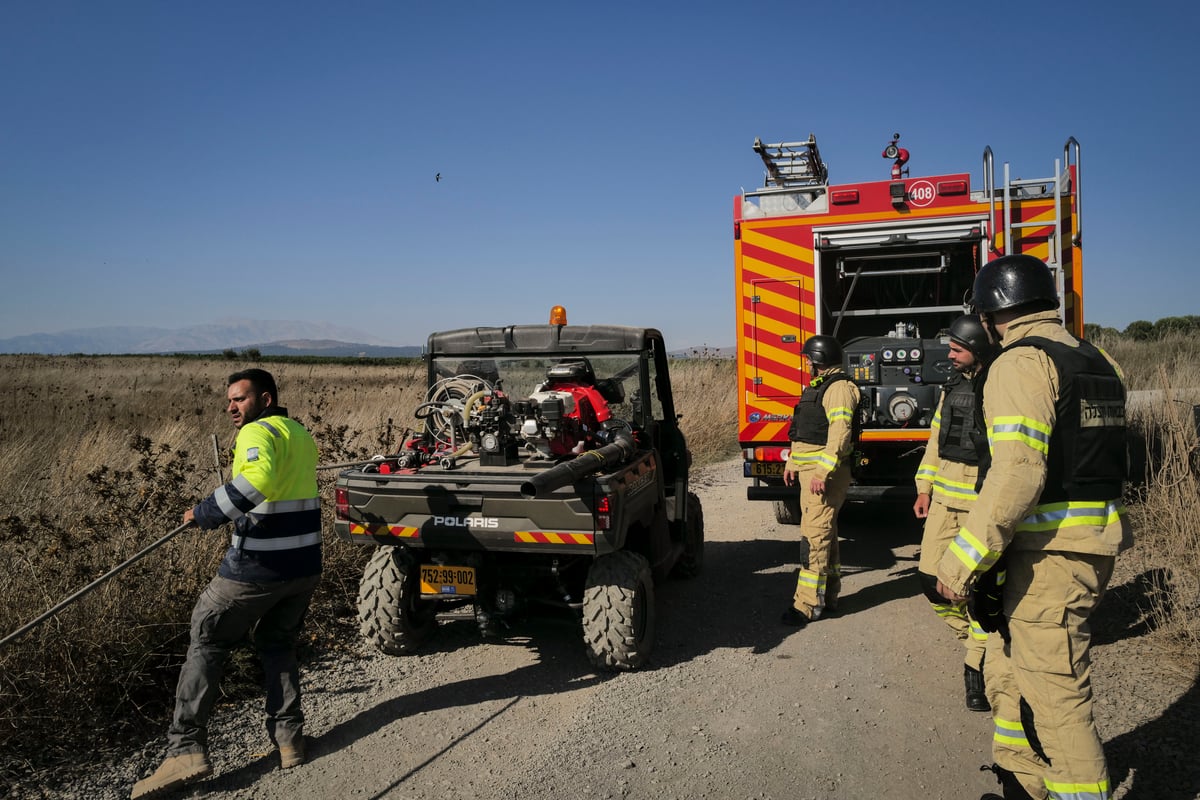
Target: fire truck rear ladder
<point>791,164</point>
<point>1059,184</point>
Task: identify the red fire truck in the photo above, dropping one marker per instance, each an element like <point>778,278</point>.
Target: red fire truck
<point>884,266</point>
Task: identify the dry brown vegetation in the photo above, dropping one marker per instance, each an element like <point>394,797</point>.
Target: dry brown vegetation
<point>99,456</point>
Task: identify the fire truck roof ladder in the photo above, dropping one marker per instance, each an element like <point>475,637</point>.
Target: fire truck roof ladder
<point>792,164</point>
<point>1058,185</point>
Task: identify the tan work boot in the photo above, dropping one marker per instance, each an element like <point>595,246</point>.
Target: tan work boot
<point>174,772</point>
<point>292,755</point>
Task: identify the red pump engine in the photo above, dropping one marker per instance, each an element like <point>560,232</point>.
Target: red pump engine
<point>565,413</point>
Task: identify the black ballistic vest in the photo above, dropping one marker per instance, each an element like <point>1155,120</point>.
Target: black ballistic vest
<point>958,432</point>
<point>1087,449</point>
<point>809,423</point>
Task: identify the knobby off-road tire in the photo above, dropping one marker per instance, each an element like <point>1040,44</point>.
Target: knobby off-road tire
<point>787,512</point>
<point>618,611</point>
<point>391,614</point>
<point>691,562</point>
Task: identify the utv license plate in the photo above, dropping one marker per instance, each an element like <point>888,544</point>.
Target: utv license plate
<point>764,469</point>
<point>443,579</point>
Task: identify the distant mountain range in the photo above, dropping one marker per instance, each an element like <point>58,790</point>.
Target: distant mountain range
<point>269,337</point>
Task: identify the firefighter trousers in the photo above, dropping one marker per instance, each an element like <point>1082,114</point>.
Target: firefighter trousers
<point>1011,747</point>
<point>1048,598</point>
<point>820,579</point>
<point>941,526</point>
<point>225,613</point>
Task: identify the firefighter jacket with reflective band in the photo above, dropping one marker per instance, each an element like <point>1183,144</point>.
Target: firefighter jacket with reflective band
<point>822,423</point>
<point>948,469</point>
<point>272,501</point>
<point>1028,500</point>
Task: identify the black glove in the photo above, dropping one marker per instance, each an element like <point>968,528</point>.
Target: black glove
<point>986,605</point>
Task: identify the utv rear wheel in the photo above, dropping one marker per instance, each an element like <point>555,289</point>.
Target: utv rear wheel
<point>692,560</point>
<point>618,611</point>
<point>787,512</point>
<point>391,614</point>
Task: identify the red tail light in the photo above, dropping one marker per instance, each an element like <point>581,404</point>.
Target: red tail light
<point>341,501</point>
<point>603,514</point>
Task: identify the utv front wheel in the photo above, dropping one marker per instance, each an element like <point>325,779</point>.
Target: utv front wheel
<point>618,611</point>
<point>391,614</point>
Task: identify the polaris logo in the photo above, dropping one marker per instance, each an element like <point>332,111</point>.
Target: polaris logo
<point>467,522</point>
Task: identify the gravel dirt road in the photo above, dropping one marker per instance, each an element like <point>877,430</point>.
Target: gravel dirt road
<point>732,705</point>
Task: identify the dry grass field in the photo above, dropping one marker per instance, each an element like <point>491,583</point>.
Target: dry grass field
<point>99,456</point>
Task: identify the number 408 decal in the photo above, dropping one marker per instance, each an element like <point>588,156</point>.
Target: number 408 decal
<point>921,193</point>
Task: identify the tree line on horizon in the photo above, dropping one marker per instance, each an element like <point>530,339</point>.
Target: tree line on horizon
<point>1143,331</point>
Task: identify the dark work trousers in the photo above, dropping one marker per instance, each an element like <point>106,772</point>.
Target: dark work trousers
<point>226,611</point>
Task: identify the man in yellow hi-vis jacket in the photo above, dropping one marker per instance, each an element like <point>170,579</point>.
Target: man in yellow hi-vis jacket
<point>819,464</point>
<point>263,586</point>
<point>1050,503</point>
<point>946,490</point>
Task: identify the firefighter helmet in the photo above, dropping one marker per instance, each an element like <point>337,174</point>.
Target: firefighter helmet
<point>1012,281</point>
<point>967,332</point>
<point>823,351</point>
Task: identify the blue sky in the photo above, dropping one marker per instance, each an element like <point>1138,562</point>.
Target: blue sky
<point>175,163</point>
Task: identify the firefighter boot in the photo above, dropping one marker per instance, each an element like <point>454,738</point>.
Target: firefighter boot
<point>1013,790</point>
<point>976,699</point>
<point>292,755</point>
<point>794,617</point>
<point>174,772</point>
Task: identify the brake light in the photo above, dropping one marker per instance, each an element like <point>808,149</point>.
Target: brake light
<point>766,453</point>
<point>604,514</point>
<point>341,502</point>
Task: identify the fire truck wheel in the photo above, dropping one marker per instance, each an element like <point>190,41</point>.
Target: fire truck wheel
<point>787,512</point>
<point>391,614</point>
<point>692,560</point>
<point>618,611</point>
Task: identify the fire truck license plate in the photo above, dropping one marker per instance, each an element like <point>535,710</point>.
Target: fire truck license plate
<point>443,579</point>
<point>764,469</point>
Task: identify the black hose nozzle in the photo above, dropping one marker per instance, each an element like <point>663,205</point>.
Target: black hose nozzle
<point>611,455</point>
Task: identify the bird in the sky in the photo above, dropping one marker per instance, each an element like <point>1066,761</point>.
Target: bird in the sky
<point>437,177</point>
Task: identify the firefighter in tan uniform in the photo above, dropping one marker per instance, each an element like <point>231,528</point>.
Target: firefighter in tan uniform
<point>946,491</point>
<point>819,465</point>
<point>1050,504</point>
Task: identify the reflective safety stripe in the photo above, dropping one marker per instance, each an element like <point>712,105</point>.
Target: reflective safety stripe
<point>815,457</point>
<point>287,506</point>
<point>960,490</point>
<point>280,543</point>
<point>977,633</point>
<point>1073,514</point>
<point>812,580</point>
<point>927,473</point>
<point>947,611</point>
<point>972,552</point>
<point>839,413</point>
<point>221,495</point>
<point>1010,732</point>
<point>237,497</point>
<point>827,462</point>
<point>268,426</point>
<point>1079,791</point>
<point>1031,433</point>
